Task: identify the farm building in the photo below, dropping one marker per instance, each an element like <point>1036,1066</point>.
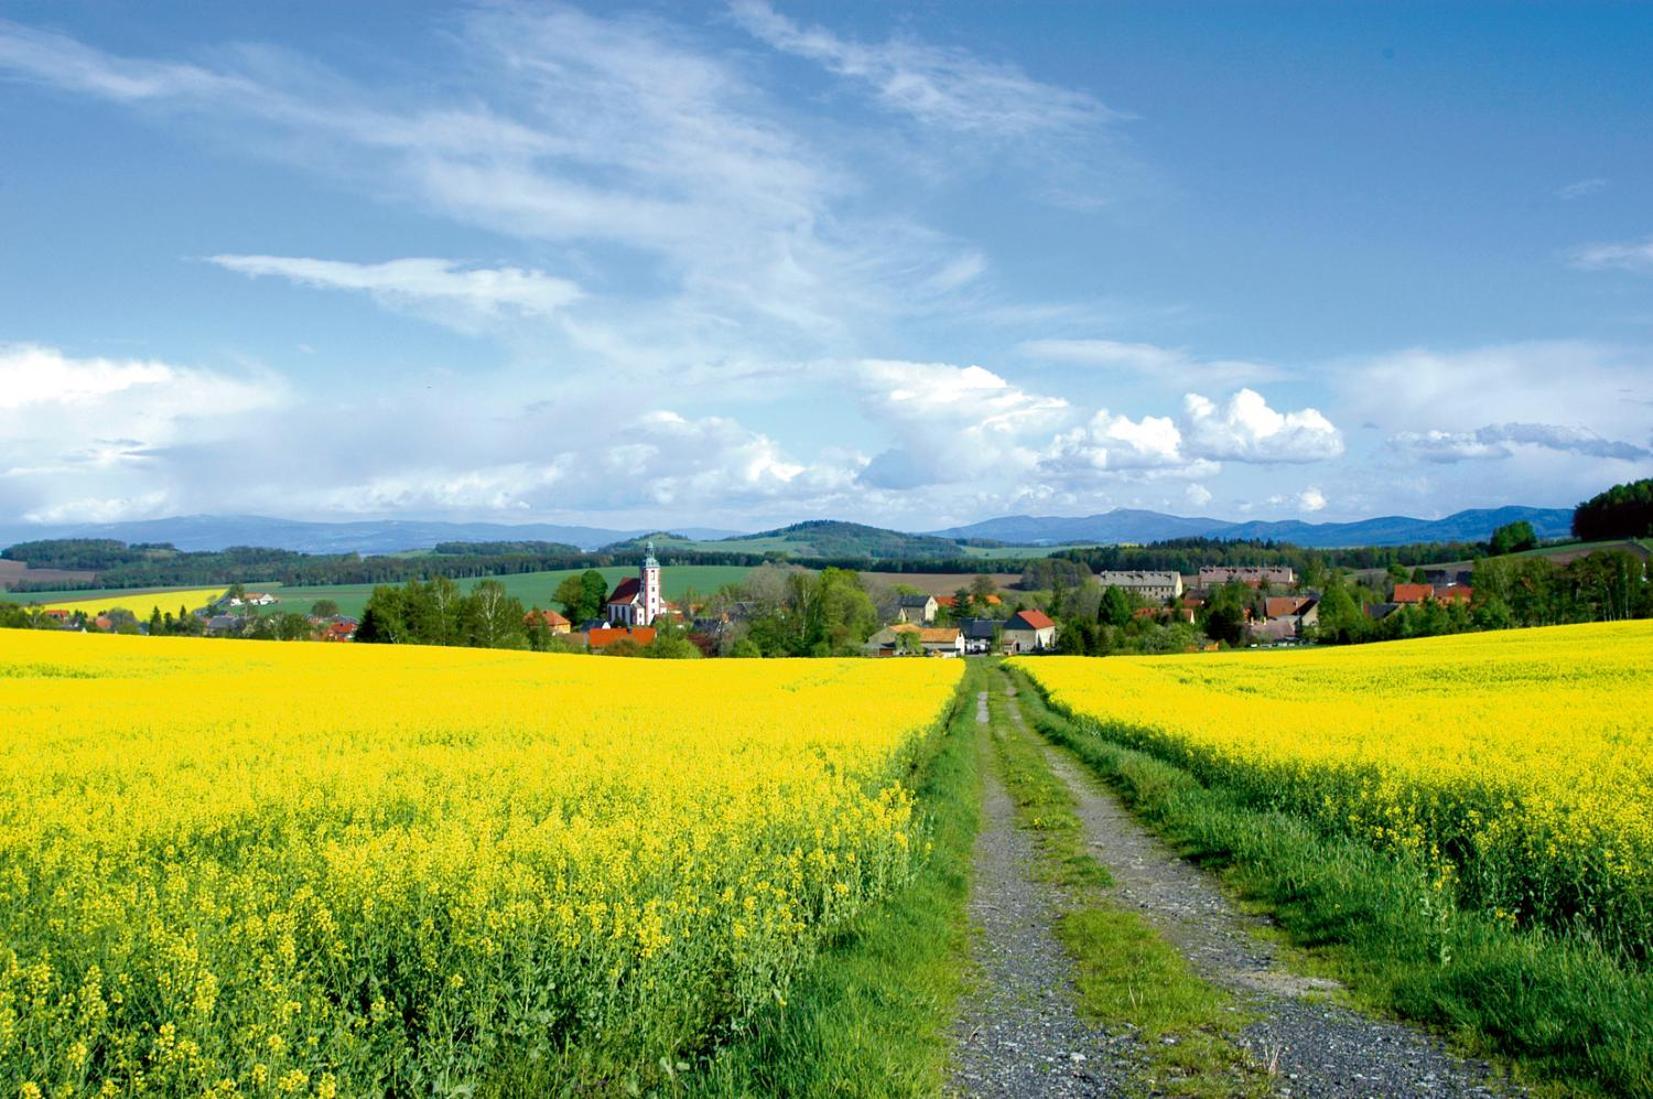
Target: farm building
<point>1153,586</point>
<point>1028,632</point>
<point>916,608</point>
<point>1254,575</point>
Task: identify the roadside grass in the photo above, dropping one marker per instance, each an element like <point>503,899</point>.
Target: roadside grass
<point>1126,974</point>
<point>1562,1014</point>
<point>872,1016</point>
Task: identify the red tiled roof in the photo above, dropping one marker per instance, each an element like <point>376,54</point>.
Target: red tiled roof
<point>947,600</point>
<point>1412,593</point>
<point>626,590</point>
<point>1279,606</point>
<point>603,638</point>
<point>550,618</point>
<point>1454,593</point>
<point>941,635</point>
<point>1031,620</point>
<point>993,601</point>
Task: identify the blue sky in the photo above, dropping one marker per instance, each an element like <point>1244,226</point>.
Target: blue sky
<point>745,264</point>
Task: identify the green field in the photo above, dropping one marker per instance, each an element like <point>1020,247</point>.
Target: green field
<point>533,588</point>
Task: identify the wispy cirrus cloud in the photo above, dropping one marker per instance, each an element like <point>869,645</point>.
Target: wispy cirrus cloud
<point>464,297</point>
<point>1581,188</point>
<point>1632,255</point>
<point>1495,441</point>
<point>1172,366</point>
<point>949,88</point>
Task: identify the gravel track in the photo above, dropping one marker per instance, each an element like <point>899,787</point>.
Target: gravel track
<point>1317,1047</point>
<point>1018,1034</point>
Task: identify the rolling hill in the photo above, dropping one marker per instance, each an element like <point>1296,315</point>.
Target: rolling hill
<point>1126,525</point>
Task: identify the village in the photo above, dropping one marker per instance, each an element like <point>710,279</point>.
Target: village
<point>1267,605</point>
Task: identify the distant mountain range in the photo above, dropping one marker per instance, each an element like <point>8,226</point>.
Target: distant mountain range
<point>215,532</point>
<point>816,538</point>
<point>1128,525</point>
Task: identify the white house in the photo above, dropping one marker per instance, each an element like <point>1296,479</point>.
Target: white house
<point>918,609</point>
<point>1028,632</point>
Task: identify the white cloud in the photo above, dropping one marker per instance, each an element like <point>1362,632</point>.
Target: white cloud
<point>1171,365</point>
<point>81,438</point>
<point>1633,255</point>
<point>954,423</point>
<point>461,296</point>
<point>1311,499</point>
<point>1197,495</point>
<point>1246,429</point>
<point>148,505</point>
<point>1595,387</point>
<point>733,237</point>
<point>118,395</point>
<point>1109,443</point>
<point>1579,188</point>
<point>947,88</point>
<point>1494,441</point>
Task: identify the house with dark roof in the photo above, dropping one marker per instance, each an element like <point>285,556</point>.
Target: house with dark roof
<point>1286,617</point>
<point>916,608</point>
<point>1028,632</point>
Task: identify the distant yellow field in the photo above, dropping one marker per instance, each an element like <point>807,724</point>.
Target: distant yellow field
<point>363,870</point>
<point>145,605</point>
<point>1519,763</point>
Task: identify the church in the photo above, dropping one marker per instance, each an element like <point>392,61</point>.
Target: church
<point>636,599</point>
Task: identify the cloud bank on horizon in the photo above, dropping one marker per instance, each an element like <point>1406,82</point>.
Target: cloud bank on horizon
<point>740,266</point>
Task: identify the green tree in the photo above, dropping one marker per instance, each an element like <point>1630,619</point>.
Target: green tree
<point>1116,607</point>
<point>157,625</point>
<point>384,619</point>
<point>1623,511</point>
<point>746,649</point>
<point>1224,616</point>
<point>324,608</point>
<point>1512,538</point>
<point>290,626</point>
<point>492,618</point>
<point>581,597</point>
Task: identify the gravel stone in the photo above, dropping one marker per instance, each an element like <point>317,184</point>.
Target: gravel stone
<point>1317,1048</point>
<point>1019,1034</point>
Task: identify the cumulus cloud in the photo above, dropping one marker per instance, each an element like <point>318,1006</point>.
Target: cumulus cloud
<point>955,423</point>
<point>1109,443</point>
<point>1246,429</point>
<point>1633,255</point>
<point>79,436</point>
<point>464,297</point>
<point>1197,495</point>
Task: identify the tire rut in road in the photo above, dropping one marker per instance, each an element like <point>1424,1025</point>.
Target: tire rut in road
<point>1019,1033</point>
<point>1316,1047</point>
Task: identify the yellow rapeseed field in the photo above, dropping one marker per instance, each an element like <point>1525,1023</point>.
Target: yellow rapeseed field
<point>248,868</point>
<point>1518,764</point>
<point>167,602</point>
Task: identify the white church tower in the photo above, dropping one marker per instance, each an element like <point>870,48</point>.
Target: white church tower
<point>650,579</point>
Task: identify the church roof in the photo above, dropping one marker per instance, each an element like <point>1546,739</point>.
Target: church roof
<point>626,591</point>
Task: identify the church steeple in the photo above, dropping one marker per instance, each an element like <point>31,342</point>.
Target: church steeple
<point>649,579</point>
